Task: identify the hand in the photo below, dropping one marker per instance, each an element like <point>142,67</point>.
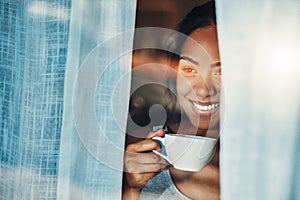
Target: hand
<point>141,165</point>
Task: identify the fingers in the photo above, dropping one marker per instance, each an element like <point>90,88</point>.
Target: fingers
<point>147,144</point>
<point>144,162</point>
<point>145,165</point>
<point>146,168</point>
<point>149,158</point>
<point>138,161</point>
<point>138,181</point>
<point>141,165</point>
<point>143,146</point>
<point>159,133</point>
<point>137,178</point>
<point>144,158</point>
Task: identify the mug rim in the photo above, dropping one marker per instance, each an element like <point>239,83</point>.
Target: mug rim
<point>191,136</point>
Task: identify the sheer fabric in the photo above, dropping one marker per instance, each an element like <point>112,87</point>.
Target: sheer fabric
<point>42,45</point>
<point>83,175</point>
<point>259,43</point>
<point>34,41</point>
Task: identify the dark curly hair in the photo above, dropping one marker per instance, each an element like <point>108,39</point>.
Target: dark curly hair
<point>202,16</point>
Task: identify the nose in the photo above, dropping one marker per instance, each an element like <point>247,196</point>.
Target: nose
<point>204,87</point>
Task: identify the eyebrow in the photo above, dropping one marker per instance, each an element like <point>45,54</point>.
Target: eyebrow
<point>216,64</point>
<point>189,59</point>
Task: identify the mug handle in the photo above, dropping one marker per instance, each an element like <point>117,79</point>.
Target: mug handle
<point>163,142</point>
<point>161,139</point>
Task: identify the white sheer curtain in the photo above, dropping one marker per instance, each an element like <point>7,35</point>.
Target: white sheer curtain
<point>259,42</point>
<point>33,46</point>
<point>42,46</point>
<point>92,145</point>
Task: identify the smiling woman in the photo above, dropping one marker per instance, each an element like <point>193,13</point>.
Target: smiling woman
<point>197,84</point>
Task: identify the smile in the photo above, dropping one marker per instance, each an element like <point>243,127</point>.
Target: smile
<point>205,108</point>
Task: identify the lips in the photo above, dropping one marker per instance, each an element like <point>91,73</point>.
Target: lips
<point>205,109</point>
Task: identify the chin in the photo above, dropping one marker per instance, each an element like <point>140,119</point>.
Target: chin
<point>198,124</point>
<point>206,124</point>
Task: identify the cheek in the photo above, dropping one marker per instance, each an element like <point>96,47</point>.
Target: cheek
<point>216,82</point>
<point>184,86</point>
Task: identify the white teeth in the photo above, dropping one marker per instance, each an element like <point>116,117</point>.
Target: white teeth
<point>209,107</point>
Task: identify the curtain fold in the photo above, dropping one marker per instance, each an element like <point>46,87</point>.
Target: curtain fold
<point>42,45</point>
<point>95,177</point>
<point>259,44</point>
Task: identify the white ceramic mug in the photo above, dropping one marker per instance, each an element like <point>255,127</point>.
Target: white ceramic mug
<point>187,152</point>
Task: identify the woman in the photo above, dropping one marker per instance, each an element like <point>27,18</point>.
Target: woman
<point>198,90</point>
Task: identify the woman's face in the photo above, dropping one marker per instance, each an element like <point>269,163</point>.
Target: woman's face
<point>199,77</point>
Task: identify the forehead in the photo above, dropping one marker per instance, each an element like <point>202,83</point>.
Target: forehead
<point>207,41</point>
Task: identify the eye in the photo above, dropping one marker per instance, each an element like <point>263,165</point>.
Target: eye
<point>188,69</point>
<point>217,71</point>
